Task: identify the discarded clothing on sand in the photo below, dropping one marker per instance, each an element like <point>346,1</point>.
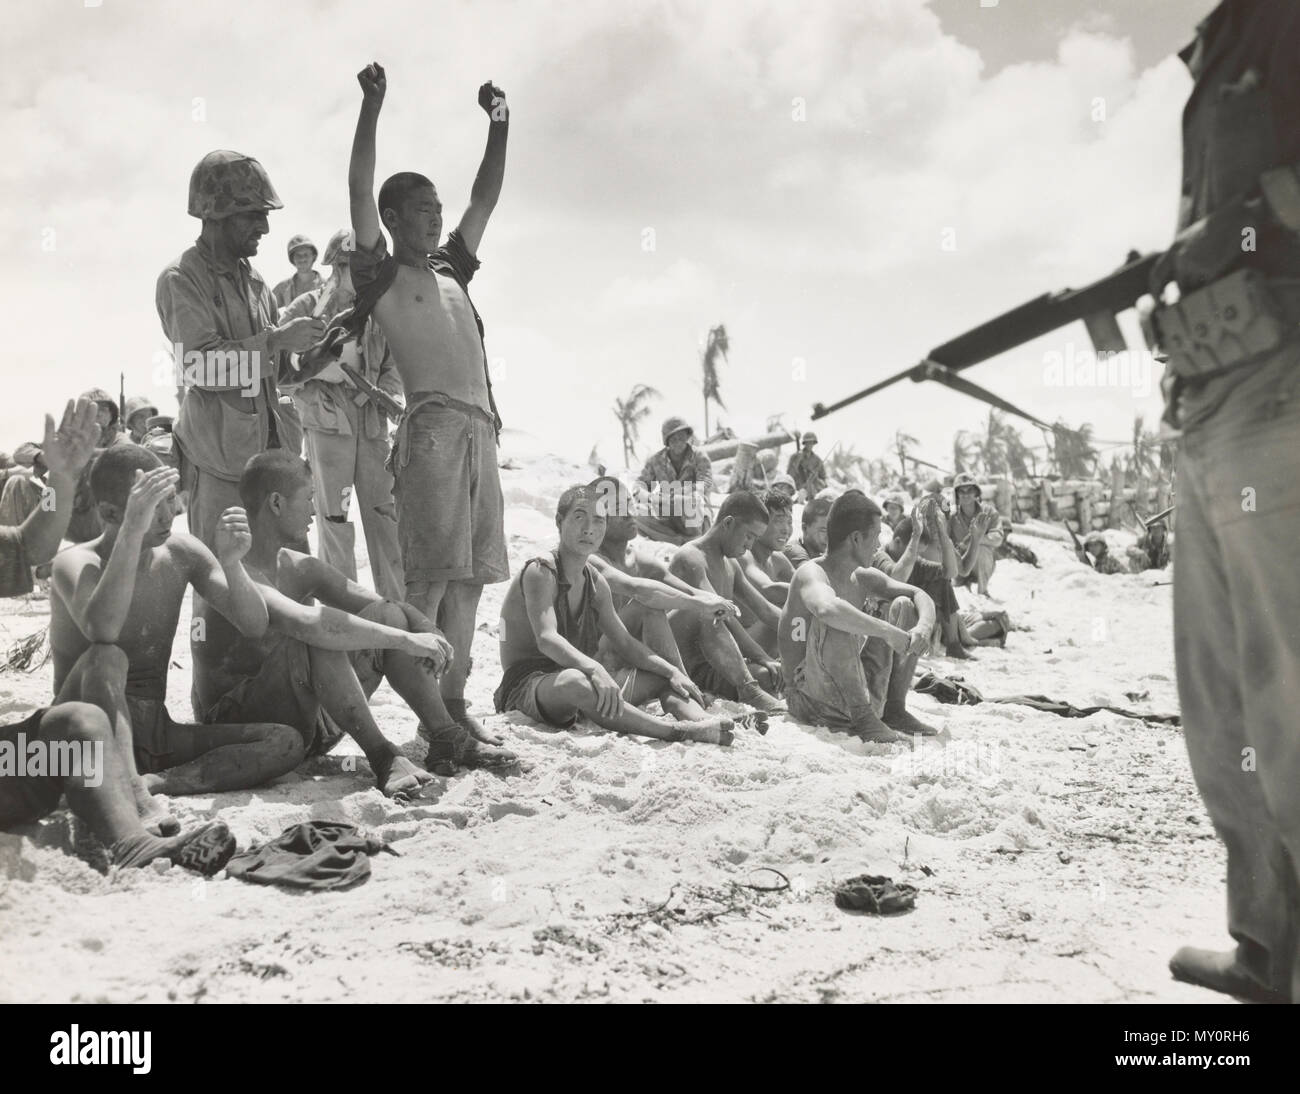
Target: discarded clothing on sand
<point>875,894</point>
<point>954,690</point>
<point>316,855</point>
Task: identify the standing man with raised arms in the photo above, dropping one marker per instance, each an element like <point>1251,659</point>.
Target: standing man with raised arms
<point>450,512</point>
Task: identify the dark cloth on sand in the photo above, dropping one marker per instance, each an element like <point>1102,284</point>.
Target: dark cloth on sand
<point>317,855</point>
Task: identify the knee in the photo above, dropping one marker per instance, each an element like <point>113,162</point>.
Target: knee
<point>573,686</point>
<point>387,613</point>
<point>902,613</point>
<point>284,744</point>
<point>101,657</point>
<point>76,722</point>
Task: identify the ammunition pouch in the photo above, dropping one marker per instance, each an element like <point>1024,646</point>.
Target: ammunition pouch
<point>1231,322</point>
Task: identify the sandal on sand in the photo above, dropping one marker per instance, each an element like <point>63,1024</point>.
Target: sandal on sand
<point>209,850</point>
<point>452,746</point>
<point>875,894</point>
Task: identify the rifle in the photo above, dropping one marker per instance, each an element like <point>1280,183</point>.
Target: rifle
<point>121,401</point>
<point>378,396</point>
<point>1096,304</point>
<point>1079,552</point>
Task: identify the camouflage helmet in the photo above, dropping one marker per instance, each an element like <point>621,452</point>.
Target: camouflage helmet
<point>301,240</point>
<point>224,183</point>
<point>897,499</point>
<point>104,399</point>
<point>1093,539</point>
<point>337,249</point>
<point>966,479</point>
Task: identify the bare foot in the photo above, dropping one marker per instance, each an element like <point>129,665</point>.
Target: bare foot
<point>959,654</point>
<point>459,711</point>
<point>154,814</point>
<point>398,777</point>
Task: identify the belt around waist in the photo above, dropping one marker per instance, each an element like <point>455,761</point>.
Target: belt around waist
<point>421,399</point>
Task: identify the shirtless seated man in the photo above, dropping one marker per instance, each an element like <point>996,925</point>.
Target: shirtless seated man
<point>117,600</point>
<point>823,631</point>
<point>725,660</point>
<point>321,683</point>
<point>768,569</point>
<point>115,603</point>
<point>644,591</point>
<point>82,757</point>
<point>555,614</point>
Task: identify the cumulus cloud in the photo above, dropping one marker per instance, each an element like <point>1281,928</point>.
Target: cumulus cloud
<point>800,166</point>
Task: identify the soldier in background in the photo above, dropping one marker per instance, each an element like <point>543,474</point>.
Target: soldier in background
<point>302,253</point>
<point>346,434</point>
<point>806,467</point>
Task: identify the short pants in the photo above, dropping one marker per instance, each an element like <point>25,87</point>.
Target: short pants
<point>523,698</point>
<point>282,692</point>
<point>450,510</point>
<point>26,798</point>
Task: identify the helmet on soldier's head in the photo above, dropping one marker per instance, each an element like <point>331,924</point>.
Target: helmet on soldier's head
<point>224,183</point>
<point>673,425</point>
<point>301,241</point>
<point>897,499</point>
<point>966,479</point>
<point>339,247</point>
<point>104,399</point>
<point>1095,539</point>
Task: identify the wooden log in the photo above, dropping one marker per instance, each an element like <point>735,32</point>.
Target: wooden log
<point>720,450</point>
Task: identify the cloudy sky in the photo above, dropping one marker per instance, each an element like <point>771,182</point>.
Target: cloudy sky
<point>843,184</point>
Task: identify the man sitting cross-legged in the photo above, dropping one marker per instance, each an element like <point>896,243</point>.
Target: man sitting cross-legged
<point>319,679</point>
<point>725,660</point>
<point>556,611</point>
<point>114,606</point>
<point>823,631</point>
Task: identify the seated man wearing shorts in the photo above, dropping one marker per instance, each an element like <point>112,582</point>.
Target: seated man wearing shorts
<point>555,613</point>
<point>724,659</point>
<point>822,631</point>
<point>321,684</point>
<point>644,591</point>
<point>98,779</point>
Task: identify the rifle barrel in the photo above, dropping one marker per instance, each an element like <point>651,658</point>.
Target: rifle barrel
<point>1042,315</point>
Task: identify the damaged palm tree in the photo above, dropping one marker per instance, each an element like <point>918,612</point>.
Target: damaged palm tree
<point>716,347</point>
<point>630,414</point>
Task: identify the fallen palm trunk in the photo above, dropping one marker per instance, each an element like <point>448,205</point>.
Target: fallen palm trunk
<point>722,450</point>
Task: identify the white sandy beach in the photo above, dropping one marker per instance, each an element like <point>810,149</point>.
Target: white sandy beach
<point>1057,860</point>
